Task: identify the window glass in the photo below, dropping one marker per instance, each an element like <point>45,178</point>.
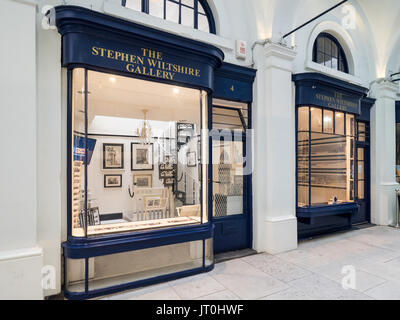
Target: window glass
<point>303,118</point>
<point>339,123</point>
<point>328,121</point>
<point>144,149</point>
<point>189,3</point>
<point>156,8</point>
<point>200,8</point>
<point>187,16</point>
<point>172,11</point>
<point>316,119</point>
<point>203,23</point>
<point>329,155</point>
<point>398,152</point>
<point>328,52</point>
<point>362,131</point>
<point>134,4</point>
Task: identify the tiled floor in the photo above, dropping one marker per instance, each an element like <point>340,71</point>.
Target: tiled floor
<point>313,271</point>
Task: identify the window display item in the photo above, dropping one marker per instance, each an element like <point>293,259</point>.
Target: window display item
<point>113,156</point>
<point>112,180</point>
<point>142,156</point>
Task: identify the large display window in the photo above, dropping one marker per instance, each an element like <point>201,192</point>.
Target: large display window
<point>325,157</point>
<point>136,156</point>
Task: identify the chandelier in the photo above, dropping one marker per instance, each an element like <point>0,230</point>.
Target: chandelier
<point>144,133</point>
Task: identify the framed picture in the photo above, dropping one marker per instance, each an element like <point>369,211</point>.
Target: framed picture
<point>112,180</point>
<point>191,159</point>
<point>143,180</point>
<point>142,157</point>
<point>113,156</point>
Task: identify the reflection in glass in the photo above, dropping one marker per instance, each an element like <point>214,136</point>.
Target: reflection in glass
<point>156,8</point>
<point>144,146</point>
<point>328,121</point>
<point>339,123</point>
<point>316,119</point>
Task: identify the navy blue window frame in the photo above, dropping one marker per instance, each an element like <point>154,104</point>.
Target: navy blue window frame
<point>342,64</point>
<point>309,131</point>
<point>145,8</point>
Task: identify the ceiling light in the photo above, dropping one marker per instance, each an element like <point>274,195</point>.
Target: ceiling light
<point>175,90</point>
<point>112,79</point>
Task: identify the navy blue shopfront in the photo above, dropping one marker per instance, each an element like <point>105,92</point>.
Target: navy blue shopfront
<point>96,42</point>
<point>324,167</point>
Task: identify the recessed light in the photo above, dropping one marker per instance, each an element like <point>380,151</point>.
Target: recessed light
<point>175,90</point>
<point>112,79</point>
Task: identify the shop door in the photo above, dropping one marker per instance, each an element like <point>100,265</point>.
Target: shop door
<point>363,193</point>
<point>231,187</point>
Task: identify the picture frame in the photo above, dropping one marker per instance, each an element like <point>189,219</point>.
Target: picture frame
<point>143,180</point>
<point>191,159</point>
<point>142,157</point>
<point>113,156</point>
<point>113,181</point>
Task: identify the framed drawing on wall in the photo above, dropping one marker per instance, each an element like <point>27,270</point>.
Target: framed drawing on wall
<point>113,156</point>
<point>112,180</point>
<point>143,180</point>
<point>142,157</point>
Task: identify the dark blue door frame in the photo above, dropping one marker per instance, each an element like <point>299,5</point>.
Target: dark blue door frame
<point>233,232</point>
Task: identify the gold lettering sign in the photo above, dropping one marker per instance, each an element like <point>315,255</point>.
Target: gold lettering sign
<point>337,101</point>
<point>149,63</point>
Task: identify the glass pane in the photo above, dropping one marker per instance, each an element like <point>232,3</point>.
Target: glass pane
<point>328,121</point>
<point>172,12</point>
<point>78,216</point>
<point>200,8</point>
<point>342,66</point>
<point>334,63</point>
<point>302,169</point>
<point>350,125</point>
<point>303,118</point>
<point>143,154</point>
<point>339,123</point>
<point>320,58</point>
<point>361,186</point>
<point>227,177</point>
<point>327,46</point>
<point>361,131</point>
<point>360,154</point>
<point>187,16</point>
<point>134,4</point>
<point>203,23</point>
<point>316,119</point>
<point>189,3</point>
<point>320,44</point>
<point>156,8</point>
<point>230,119</point>
<point>361,170</point>
<point>334,50</point>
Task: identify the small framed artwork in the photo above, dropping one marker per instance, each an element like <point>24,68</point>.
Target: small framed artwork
<point>191,159</point>
<point>112,180</point>
<point>142,157</point>
<point>143,180</point>
<point>113,156</point>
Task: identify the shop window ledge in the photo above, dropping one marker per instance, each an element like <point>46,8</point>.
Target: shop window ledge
<point>308,215</point>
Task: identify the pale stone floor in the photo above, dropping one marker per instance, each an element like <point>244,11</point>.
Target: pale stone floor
<point>313,271</point>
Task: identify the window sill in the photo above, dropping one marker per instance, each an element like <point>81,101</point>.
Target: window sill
<point>157,23</point>
<point>313,66</point>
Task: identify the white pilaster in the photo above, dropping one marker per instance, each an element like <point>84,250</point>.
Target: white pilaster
<point>20,257</point>
<point>274,183</point>
<point>383,153</point>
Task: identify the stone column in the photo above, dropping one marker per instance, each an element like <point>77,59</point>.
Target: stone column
<point>21,258</point>
<point>383,153</point>
<point>274,179</point>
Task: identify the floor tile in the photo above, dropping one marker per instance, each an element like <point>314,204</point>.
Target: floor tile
<point>289,294</point>
<point>246,281</point>
<point>196,286</point>
<point>388,291</point>
<point>276,267</point>
<point>158,292</point>
<point>222,295</point>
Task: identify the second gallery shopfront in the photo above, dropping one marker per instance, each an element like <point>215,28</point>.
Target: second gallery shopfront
<point>160,158</point>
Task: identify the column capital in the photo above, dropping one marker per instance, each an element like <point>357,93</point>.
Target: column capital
<point>275,55</point>
<point>383,88</point>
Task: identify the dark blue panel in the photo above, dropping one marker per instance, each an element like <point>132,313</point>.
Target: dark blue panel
<point>366,105</point>
<point>234,82</point>
<point>98,40</point>
<point>79,148</point>
<point>397,111</point>
<point>320,90</point>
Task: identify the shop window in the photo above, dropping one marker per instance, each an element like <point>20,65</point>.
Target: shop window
<point>328,52</point>
<point>192,13</point>
<point>398,152</point>
<point>137,148</point>
<point>325,157</point>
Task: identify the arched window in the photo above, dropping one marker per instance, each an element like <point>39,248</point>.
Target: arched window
<point>328,52</point>
<point>192,13</point>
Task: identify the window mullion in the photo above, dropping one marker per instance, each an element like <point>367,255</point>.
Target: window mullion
<point>146,6</point>
<point>196,14</point>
